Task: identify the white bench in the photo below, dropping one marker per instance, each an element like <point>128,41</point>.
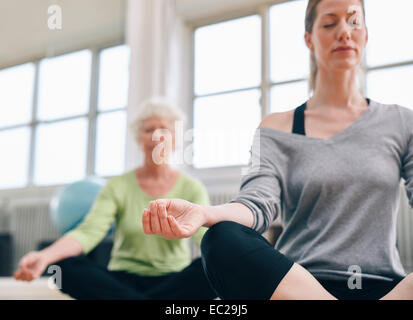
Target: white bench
<point>11,289</point>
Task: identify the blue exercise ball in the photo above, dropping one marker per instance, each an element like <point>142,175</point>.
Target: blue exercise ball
<point>71,203</point>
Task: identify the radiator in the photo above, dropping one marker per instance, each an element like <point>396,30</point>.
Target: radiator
<point>30,224</point>
<point>4,219</point>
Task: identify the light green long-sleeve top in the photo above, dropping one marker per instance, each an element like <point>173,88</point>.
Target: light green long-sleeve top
<point>122,200</point>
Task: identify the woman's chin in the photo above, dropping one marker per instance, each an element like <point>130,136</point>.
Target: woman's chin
<point>345,65</point>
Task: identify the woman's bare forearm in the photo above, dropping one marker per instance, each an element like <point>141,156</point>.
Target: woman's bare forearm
<point>64,247</point>
<point>233,211</point>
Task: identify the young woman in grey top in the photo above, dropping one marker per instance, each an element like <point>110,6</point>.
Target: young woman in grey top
<point>336,188</point>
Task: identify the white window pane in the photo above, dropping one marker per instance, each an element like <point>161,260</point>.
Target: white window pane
<point>16,94</point>
<point>393,85</point>
<point>289,54</point>
<point>390,26</point>
<point>228,55</point>
<point>64,85</point>
<point>113,78</point>
<point>110,143</point>
<point>61,152</point>
<point>288,96</point>
<point>224,126</point>
<point>14,146</point>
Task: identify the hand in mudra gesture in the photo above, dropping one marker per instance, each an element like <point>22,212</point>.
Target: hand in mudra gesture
<point>31,266</point>
<point>172,218</point>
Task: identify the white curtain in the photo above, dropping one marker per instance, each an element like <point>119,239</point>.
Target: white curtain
<point>154,34</point>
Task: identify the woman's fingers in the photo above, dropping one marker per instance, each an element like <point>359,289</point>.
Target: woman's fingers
<point>17,275</point>
<point>24,262</point>
<point>28,276</point>
<point>146,221</point>
<point>155,225</point>
<point>28,260</point>
<point>163,217</point>
<point>24,267</point>
<point>176,229</point>
<point>23,275</point>
<point>156,220</point>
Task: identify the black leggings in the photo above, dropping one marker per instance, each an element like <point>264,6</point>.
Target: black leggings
<point>84,279</point>
<point>241,264</point>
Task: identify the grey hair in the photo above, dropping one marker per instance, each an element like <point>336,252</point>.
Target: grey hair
<point>159,107</point>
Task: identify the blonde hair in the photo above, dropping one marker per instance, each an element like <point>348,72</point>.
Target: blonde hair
<point>310,16</point>
<point>157,106</point>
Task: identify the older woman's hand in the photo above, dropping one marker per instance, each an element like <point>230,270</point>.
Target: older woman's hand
<point>31,266</point>
<point>172,218</point>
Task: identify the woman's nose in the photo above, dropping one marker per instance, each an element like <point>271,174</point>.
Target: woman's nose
<point>345,30</point>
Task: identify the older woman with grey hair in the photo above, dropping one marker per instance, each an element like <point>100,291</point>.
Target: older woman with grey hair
<point>141,266</point>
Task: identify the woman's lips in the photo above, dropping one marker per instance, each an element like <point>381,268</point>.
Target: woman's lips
<point>343,50</point>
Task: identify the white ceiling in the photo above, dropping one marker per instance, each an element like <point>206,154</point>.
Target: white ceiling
<point>24,33</point>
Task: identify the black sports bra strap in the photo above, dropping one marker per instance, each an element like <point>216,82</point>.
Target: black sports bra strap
<point>298,124</point>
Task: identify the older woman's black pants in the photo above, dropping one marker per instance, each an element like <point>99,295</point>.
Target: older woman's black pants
<point>240,263</point>
<point>84,279</point>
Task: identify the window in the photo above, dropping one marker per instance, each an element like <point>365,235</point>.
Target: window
<point>258,64</point>
<point>64,86</point>
<point>398,90</point>
<point>389,24</point>
<point>287,96</point>
<point>16,108</point>
<point>111,119</point>
<point>228,56</point>
<point>15,117</point>
<point>113,78</point>
<point>227,78</point>
<point>14,160</point>
<point>61,149</point>
<point>223,128</point>
<point>389,55</point>
<point>229,83</point>
<point>76,126</point>
<point>64,93</point>
<point>110,143</point>
<point>290,57</point>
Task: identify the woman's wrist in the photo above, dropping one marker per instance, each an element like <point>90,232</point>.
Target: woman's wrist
<point>236,212</point>
<point>207,217</point>
<point>48,256</point>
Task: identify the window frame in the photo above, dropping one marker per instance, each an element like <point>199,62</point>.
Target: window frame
<point>228,174</point>
<point>384,67</point>
<point>231,174</point>
<point>91,115</point>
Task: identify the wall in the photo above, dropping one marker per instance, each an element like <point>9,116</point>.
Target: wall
<point>23,27</point>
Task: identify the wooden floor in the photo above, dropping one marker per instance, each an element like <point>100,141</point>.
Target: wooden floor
<point>11,289</point>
